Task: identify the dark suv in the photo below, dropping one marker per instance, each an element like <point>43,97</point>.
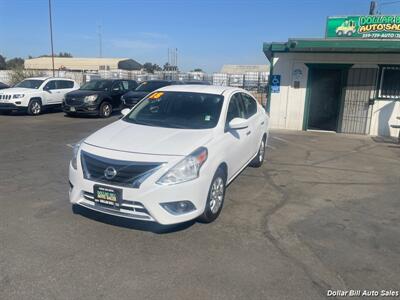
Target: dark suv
<point>97,97</point>
<point>131,98</point>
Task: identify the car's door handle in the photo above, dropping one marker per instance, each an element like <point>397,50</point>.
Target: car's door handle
<point>248,132</point>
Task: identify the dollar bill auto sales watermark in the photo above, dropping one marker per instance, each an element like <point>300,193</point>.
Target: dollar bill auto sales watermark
<point>363,293</point>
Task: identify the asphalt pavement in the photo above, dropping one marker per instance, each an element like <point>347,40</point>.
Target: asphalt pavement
<point>322,213</point>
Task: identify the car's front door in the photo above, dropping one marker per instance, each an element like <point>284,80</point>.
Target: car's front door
<point>52,95</point>
<point>236,140</point>
<point>117,91</point>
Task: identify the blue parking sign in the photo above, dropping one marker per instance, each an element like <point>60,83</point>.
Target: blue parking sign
<point>275,83</point>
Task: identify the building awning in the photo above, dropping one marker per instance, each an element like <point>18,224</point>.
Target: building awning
<point>332,46</point>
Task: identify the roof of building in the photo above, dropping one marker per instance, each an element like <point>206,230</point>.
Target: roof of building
<point>80,63</point>
<point>242,69</point>
<point>333,45</point>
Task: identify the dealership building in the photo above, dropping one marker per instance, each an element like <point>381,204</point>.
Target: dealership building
<point>347,82</point>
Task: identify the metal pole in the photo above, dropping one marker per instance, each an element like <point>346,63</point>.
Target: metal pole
<point>51,38</point>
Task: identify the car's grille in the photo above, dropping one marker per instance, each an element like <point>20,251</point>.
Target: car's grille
<point>123,173</point>
<point>5,97</point>
<point>131,209</point>
<point>74,100</point>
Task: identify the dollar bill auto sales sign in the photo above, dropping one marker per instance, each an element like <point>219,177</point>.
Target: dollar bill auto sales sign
<point>364,27</point>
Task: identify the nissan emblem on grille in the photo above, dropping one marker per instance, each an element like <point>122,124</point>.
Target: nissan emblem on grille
<point>110,173</point>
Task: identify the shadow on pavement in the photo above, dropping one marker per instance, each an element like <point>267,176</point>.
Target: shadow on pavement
<point>130,223</point>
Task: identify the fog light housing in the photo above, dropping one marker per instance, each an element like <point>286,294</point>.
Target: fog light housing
<point>178,207</point>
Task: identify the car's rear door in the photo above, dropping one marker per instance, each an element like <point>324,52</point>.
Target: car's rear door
<point>255,123</point>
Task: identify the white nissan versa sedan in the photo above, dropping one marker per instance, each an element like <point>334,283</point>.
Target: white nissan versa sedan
<point>170,158</point>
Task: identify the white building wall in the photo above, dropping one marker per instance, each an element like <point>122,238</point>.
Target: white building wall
<point>287,106</point>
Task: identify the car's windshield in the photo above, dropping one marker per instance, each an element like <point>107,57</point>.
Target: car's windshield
<point>97,85</point>
<point>178,110</point>
<point>149,86</point>
<point>30,84</point>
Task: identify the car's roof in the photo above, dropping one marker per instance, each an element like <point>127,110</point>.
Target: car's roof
<point>46,78</point>
<point>198,88</point>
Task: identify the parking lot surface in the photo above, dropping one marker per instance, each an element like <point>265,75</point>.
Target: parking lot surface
<point>322,213</point>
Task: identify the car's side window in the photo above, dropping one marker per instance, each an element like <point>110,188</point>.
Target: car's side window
<point>250,105</point>
<point>235,108</point>
<point>125,85</point>
<point>51,85</point>
<point>65,84</point>
<point>117,87</point>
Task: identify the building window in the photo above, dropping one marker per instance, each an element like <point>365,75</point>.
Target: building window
<point>389,83</point>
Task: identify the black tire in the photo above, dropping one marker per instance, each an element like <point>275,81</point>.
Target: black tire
<point>214,205</point>
<point>105,109</point>
<point>349,33</point>
<point>259,159</point>
<point>35,107</point>
<point>339,33</point>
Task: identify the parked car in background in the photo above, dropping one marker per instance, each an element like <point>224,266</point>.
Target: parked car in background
<point>3,86</point>
<point>33,95</point>
<point>170,158</point>
<point>131,98</point>
<point>98,97</point>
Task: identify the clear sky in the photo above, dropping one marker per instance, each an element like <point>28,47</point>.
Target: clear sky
<point>207,33</point>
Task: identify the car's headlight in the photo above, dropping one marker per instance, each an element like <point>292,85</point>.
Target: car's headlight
<point>18,96</point>
<point>75,151</point>
<point>187,169</point>
<point>91,98</point>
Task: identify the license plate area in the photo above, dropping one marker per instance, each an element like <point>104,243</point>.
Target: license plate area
<point>72,108</point>
<point>104,195</point>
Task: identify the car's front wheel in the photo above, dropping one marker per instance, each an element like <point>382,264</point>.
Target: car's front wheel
<point>105,110</point>
<point>215,199</point>
<point>34,107</point>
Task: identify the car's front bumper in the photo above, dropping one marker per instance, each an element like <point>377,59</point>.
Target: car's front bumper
<point>143,203</point>
<point>10,106</point>
<point>81,109</point>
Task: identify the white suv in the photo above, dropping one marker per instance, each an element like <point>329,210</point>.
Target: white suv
<point>34,94</point>
<point>170,158</point>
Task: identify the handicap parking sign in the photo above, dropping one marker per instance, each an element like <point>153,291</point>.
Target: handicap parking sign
<point>275,83</point>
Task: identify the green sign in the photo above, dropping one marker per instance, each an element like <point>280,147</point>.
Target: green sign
<point>364,27</point>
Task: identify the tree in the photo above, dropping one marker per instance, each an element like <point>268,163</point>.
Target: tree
<point>197,70</point>
<point>64,54</point>
<point>150,67</point>
<point>2,62</point>
<point>168,67</point>
<point>15,63</point>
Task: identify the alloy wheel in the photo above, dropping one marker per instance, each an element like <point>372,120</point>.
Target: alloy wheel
<point>217,194</point>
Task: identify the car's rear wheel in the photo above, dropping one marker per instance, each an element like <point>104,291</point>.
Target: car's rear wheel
<point>215,199</point>
<point>259,159</point>
<point>105,109</point>
<point>34,107</point>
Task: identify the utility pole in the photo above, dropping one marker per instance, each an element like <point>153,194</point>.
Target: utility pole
<point>372,8</point>
<point>100,43</point>
<point>51,37</point>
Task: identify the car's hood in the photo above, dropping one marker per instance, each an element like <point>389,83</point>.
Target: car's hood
<point>83,93</point>
<point>17,90</point>
<point>136,94</point>
<point>129,137</point>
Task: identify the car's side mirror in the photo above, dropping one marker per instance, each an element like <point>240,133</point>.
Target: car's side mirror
<point>125,111</point>
<point>238,123</point>
<point>47,89</point>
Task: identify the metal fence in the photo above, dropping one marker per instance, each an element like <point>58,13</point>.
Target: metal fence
<point>254,82</point>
